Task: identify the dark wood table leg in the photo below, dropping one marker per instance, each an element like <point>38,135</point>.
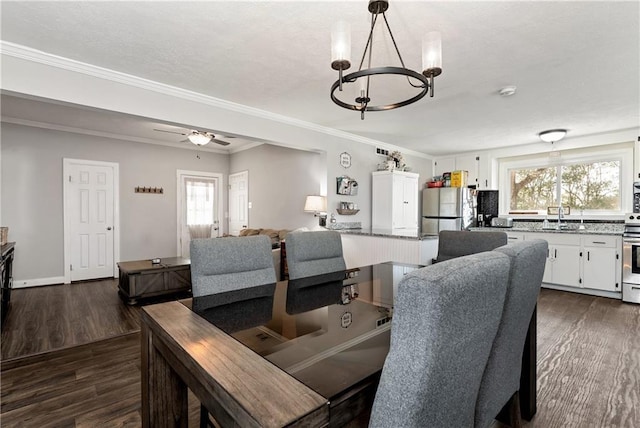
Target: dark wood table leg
<point>164,394</point>
<point>528,375</point>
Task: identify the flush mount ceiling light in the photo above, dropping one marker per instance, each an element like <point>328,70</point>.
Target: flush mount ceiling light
<point>552,135</point>
<point>341,60</point>
<point>200,138</point>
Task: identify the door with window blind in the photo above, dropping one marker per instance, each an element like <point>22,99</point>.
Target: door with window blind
<point>198,207</point>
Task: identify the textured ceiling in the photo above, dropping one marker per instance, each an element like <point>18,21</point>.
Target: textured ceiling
<point>576,64</point>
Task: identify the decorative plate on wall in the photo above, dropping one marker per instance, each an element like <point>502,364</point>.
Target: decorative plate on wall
<point>345,160</point>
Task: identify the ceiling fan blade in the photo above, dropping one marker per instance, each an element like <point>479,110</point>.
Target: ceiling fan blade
<point>222,143</point>
<point>169,132</point>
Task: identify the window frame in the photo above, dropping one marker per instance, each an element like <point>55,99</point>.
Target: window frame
<point>570,157</point>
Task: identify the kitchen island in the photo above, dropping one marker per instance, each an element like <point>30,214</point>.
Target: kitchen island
<point>362,247</point>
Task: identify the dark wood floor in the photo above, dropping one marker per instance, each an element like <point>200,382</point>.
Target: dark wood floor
<point>588,369</point>
<point>42,319</point>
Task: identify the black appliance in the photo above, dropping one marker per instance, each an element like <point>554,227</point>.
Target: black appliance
<point>636,197</point>
<point>487,207</point>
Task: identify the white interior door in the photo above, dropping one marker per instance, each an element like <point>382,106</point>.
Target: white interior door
<point>238,202</point>
<point>89,219</point>
<point>199,207</point>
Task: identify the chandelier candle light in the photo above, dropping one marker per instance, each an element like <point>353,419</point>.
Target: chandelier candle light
<point>341,60</point>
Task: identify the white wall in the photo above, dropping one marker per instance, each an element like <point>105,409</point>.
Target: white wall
<point>32,194</point>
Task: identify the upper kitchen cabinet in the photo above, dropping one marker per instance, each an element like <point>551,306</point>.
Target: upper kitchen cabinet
<point>394,203</point>
<point>442,165</point>
<point>476,165</point>
<point>636,160</point>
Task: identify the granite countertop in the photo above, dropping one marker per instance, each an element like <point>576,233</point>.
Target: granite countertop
<point>411,234</point>
<point>615,229</point>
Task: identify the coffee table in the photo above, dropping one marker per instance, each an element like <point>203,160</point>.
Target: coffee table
<point>142,279</point>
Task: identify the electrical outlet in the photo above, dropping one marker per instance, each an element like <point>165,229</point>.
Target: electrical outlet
<point>382,321</point>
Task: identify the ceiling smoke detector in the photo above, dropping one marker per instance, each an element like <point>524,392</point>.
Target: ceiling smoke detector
<point>507,91</point>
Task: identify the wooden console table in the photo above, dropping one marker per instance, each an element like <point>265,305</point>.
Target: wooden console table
<point>6,275</point>
<point>141,279</point>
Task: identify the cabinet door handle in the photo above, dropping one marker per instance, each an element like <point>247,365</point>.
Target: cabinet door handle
<point>588,254</point>
<point>598,242</point>
<point>555,253</point>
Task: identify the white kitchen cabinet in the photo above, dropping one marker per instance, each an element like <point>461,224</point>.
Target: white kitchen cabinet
<point>468,163</point>
<point>636,160</point>
<point>477,165</point>
<point>564,261</point>
<point>394,202</point>
<point>563,258</point>
<point>582,261</point>
<point>444,165</point>
<point>601,263</point>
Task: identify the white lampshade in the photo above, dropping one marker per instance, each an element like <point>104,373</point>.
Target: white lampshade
<point>341,42</point>
<point>315,204</point>
<point>431,51</point>
<point>199,138</point>
<point>553,135</point>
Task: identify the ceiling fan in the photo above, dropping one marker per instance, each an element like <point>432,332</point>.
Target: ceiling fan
<point>199,138</point>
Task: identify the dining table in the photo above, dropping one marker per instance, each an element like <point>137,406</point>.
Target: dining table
<point>303,352</point>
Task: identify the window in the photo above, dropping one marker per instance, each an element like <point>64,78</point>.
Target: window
<point>200,200</point>
<point>587,180</point>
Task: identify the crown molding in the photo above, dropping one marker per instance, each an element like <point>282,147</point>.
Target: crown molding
<point>33,55</point>
<point>128,138</point>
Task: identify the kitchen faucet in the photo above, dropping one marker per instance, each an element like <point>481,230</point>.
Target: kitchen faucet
<point>560,217</point>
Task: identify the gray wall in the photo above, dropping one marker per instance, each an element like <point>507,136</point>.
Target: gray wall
<point>279,181</point>
<point>364,161</point>
<point>32,205</point>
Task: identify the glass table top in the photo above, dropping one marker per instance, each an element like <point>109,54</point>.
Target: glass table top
<point>328,331</point>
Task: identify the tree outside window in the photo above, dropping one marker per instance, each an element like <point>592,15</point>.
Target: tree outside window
<point>591,186</point>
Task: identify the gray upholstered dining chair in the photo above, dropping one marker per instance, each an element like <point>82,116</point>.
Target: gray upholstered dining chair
<point>314,253</point>
<point>458,243</point>
<point>444,322</point>
<point>501,379</point>
<point>220,267</point>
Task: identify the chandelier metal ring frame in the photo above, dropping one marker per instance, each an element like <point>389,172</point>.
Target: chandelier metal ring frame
<point>352,77</point>
<point>340,57</point>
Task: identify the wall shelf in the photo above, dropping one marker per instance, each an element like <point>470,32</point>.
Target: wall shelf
<point>347,212</point>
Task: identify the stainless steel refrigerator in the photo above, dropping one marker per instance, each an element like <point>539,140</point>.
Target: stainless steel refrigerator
<point>446,208</point>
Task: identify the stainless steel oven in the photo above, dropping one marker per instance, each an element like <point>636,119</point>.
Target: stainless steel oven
<point>631,259</point>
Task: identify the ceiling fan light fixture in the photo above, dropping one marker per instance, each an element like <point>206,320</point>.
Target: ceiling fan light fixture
<point>199,138</point>
<point>552,135</point>
<point>340,61</point>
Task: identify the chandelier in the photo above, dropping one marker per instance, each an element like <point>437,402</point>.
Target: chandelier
<point>340,61</point>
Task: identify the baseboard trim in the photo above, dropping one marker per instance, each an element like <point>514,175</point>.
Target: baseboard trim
<point>590,291</point>
<point>24,283</point>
